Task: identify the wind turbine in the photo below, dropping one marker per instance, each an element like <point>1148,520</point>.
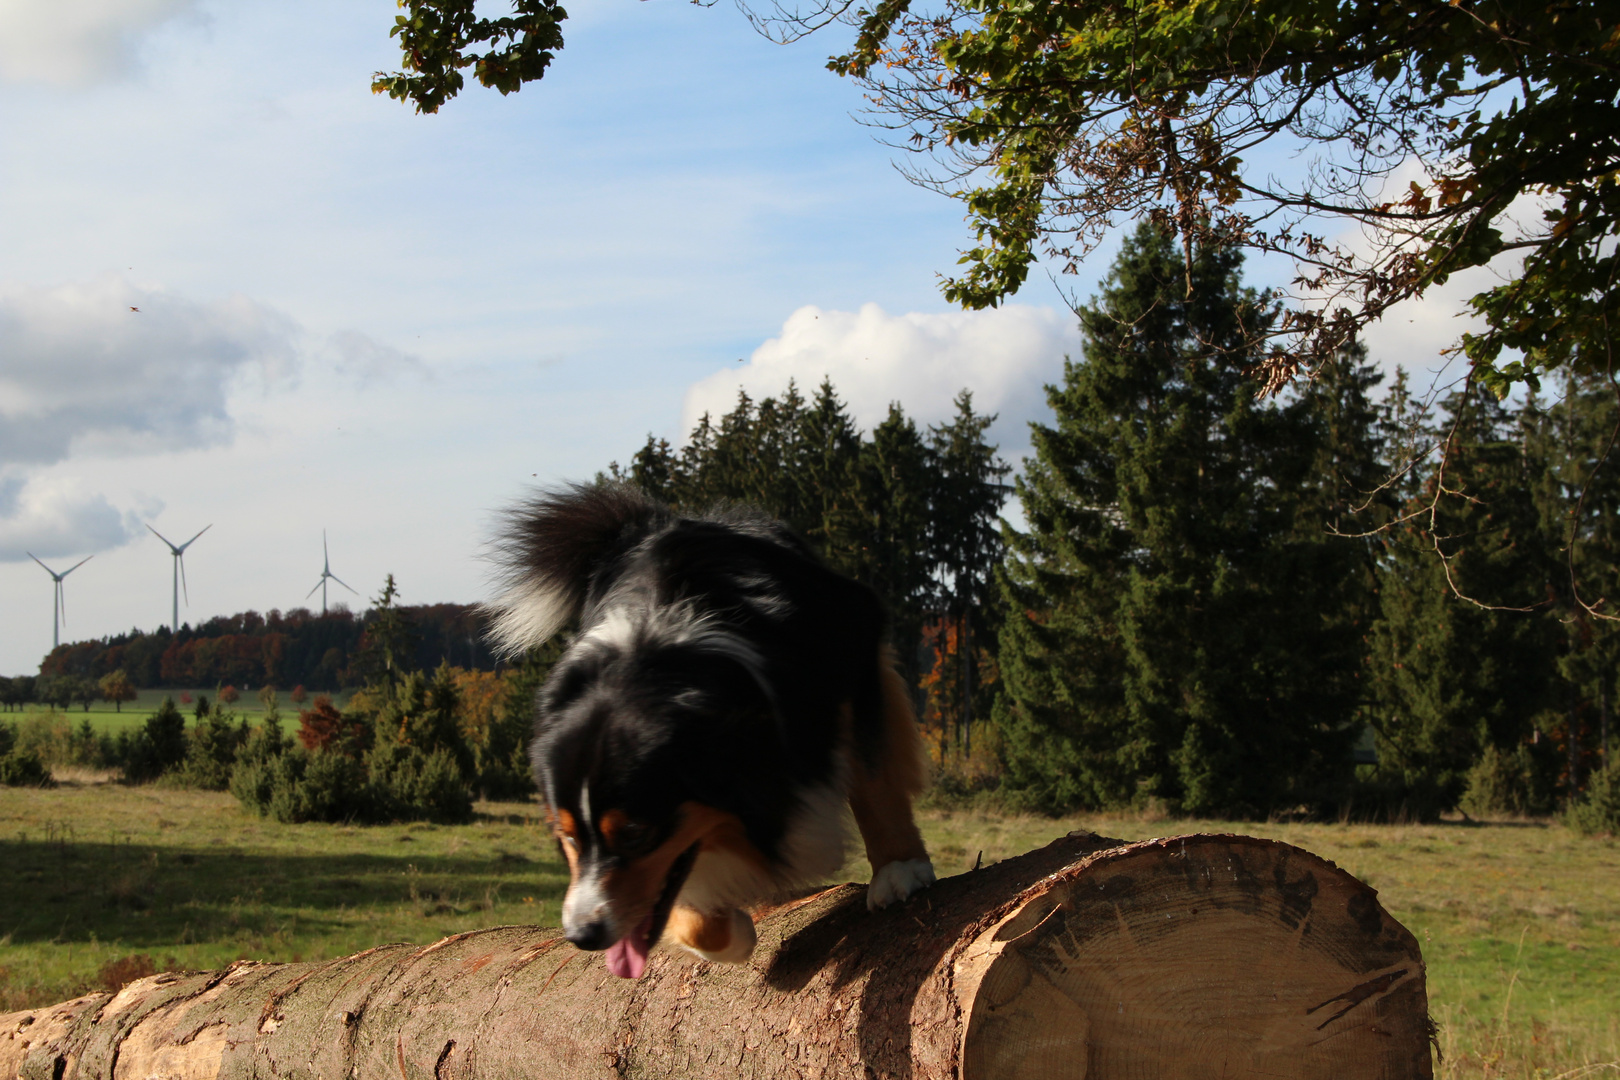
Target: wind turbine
<point>326,572</point>
<point>59,607</point>
<point>179,570</point>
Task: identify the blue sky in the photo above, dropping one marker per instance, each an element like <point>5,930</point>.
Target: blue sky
<point>386,325</point>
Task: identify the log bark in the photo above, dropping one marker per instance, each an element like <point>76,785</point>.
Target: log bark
<point>1190,957</point>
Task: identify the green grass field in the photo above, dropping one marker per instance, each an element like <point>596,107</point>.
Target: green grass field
<point>132,714</point>
<point>1519,921</point>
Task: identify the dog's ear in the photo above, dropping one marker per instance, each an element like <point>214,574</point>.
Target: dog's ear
<point>550,548</point>
<point>567,681</point>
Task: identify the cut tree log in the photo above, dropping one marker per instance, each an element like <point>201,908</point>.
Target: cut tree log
<point>1185,958</point>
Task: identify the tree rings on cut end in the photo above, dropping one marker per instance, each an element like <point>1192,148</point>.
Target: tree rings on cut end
<point>1194,957</point>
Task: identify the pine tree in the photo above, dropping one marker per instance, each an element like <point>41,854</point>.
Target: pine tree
<point>968,493</point>
<point>1575,468</point>
<point>896,477</point>
<point>826,482</point>
<point>1462,652</point>
<point>1165,635</point>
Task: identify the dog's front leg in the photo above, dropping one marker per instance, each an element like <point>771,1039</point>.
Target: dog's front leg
<point>726,936</point>
<point>894,845</point>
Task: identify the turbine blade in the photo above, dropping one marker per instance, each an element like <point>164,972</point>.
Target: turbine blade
<point>343,583</point>
<point>193,540</point>
<point>76,565</point>
<point>312,591</point>
<point>184,590</point>
<point>61,600</point>
<point>160,536</point>
<point>42,566</point>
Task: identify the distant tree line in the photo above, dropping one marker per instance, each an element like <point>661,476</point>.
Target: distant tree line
<point>327,652</point>
<point>410,744</point>
<point>414,742</point>
<point>64,691</point>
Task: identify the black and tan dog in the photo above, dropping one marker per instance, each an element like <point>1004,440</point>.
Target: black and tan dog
<point>725,698</point>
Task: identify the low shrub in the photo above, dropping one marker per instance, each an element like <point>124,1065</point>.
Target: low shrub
<point>1521,781</point>
<point>418,767</point>
<point>20,767</point>
<point>212,747</point>
<point>55,740</point>
<point>253,776</point>
<point>408,784</point>
<point>319,786</point>
<point>159,746</point>
<point>1598,809</point>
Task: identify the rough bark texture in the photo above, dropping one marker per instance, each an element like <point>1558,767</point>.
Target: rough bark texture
<point>1191,957</point>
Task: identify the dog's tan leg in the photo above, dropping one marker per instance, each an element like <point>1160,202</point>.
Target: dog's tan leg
<point>880,796</point>
<point>726,937</point>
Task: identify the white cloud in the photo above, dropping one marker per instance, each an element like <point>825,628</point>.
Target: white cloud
<point>111,366</point>
<point>52,519</point>
<point>1005,356</point>
<point>74,42</point>
<point>113,371</point>
<point>367,359</point>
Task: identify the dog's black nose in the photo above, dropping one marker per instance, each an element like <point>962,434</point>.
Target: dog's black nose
<point>591,936</point>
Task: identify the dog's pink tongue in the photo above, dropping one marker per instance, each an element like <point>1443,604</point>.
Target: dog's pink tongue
<point>627,958</point>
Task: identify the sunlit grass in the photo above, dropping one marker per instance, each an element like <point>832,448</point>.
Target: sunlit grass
<point>100,873</point>
<point>106,717</point>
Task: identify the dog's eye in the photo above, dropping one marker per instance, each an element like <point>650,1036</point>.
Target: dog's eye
<point>630,838</point>
<point>624,835</point>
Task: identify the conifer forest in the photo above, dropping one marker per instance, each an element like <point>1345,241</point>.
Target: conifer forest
<point>1360,597</point>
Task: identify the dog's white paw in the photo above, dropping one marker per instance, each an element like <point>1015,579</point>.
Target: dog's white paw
<point>741,946</point>
<point>898,880</point>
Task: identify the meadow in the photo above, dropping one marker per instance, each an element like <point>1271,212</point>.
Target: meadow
<point>1519,920</point>
<point>104,716</point>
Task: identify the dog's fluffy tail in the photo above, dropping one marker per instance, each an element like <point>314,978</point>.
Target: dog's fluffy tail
<point>548,549</point>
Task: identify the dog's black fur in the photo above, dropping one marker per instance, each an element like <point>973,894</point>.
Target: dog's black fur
<point>719,671</point>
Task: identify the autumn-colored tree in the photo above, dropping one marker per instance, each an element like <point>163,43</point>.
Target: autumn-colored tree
<point>323,727</point>
<point>230,695</point>
<point>299,695</point>
<point>942,684</point>
<point>478,695</point>
<point>117,688</point>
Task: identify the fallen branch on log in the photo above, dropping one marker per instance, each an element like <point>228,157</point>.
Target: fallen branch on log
<point>1195,956</point>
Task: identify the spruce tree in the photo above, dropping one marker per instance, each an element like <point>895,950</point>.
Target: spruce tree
<point>1463,649</point>
<point>896,479</point>
<point>967,496</point>
<point>1165,630</point>
<point>1575,469</point>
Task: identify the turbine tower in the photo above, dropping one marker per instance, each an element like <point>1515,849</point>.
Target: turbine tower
<point>58,605</point>
<point>179,571</point>
<point>326,572</point>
